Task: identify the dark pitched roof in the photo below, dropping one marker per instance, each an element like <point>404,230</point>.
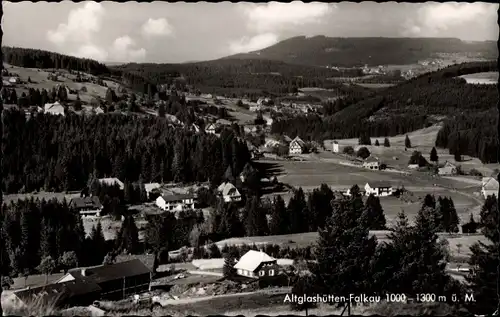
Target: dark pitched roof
<point>147,259</point>
<point>81,202</point>
<point>379,184</point>
<point>176,197</point>
<point>104,273</point>
<point>57,293</point>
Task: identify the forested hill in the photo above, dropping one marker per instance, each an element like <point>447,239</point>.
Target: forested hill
<point>468,111</point>
<point>32,58</point>
<point>348,52</point>
<point>236,75</point>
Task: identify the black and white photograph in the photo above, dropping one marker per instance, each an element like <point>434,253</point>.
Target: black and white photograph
<point>249,159</point>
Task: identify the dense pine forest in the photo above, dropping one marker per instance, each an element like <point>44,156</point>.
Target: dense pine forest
<point>61,153</point>
<point>413,105</point>
<point>32,58</point>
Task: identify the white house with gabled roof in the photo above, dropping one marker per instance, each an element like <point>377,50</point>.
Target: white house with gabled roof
<point>256,264</point>
<point>489,187</point>
<point>229,192</point>
<point>297,146</point>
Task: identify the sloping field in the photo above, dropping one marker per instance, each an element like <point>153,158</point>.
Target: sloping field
<point>310,239</point>
<point>40,81</point>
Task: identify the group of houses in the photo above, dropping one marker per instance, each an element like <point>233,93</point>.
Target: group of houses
<point>126,278</point>
<point>375,188</point>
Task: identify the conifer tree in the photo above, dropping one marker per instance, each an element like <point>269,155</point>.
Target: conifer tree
<point>386,142</point>
<point>484,259</point>
<point>434,156</point>
<point>344,252</point>
<point>407,142</point>
<point>296,210</point>
<point>255,218</point>
<point>375,213</point>
<point>128,236</point>
<point>279,223</point>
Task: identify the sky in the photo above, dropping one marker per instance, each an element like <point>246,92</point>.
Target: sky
<point>161,32</point>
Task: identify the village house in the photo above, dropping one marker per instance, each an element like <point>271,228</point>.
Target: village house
<point>211,128</point>
<point>175,202</point>
<point>372,163</point>
<point>14,80</point>
<point>99,110</point>
<point>335,147</point>
<point>413,166</point>
<point>149,187</point>
<point>54,108</point>
<point>82,286</point>
<point>378,189</point>
<point>111,181</point>
<point>229,192</point>
<point>87,206</point>
<point>297,146</point>
<point>489,187</point>
<point>116,281</point>
<point>257,264</point>
<point>447,169</point>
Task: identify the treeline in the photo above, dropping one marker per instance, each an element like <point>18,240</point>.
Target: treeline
<point>32,58</point>
<point>60,153</point>
<point>413,105</point>
<point>473,134</point>
<point>236,75</point>
<point>38,231</point>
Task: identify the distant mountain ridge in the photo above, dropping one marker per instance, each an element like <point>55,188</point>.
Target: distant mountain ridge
<point>358,51</point>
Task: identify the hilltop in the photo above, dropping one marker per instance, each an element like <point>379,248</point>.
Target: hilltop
<point>349,52</point>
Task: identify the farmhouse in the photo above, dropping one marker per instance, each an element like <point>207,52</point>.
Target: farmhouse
<point>448,169</point>
<point>256,264</point>
<point>14,80</point>
<point>379,189</point>
<point>54,108</point>
<point>87,206</point>
<point>489,187</point>
<point>229,192</point>
<point>82,286</point>
<point>175,202</point>
<point>149,187</point>
<point>115,281</point>
<point>99,110</point>
<point>211,128</point>
<point>297,146</point>
<point>335,147</point>
<point>112,181</point>
<point>371,163</point>
<point>64,294</point>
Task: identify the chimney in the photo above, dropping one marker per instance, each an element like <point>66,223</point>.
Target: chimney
<point>84,272</point>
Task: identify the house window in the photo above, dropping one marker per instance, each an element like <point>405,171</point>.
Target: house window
<point>262,273</point>
<point>271,272</point>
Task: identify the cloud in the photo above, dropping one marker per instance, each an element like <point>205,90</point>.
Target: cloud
<point>255,43</point>
<point>275,16</point>
<point>82,23</point>
<point>434,18</point>
<point>156,27</point>
<point>123,50</point>
<point>92,52</point>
